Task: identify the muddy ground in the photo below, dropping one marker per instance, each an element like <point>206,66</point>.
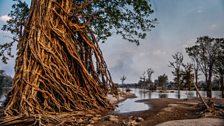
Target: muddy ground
<point>161,110</point>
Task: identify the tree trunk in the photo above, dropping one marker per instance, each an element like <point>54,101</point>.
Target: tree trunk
<point>178,84</point>
<point>203,101</point>
<point>222,84</point>
<point>59,65</point>
<point>196,81</point>
<point>209,83</point>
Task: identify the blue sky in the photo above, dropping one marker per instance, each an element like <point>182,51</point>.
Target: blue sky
<point>180,22</point>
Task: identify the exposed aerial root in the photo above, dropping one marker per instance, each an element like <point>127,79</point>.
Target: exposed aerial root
<point>59,67</point>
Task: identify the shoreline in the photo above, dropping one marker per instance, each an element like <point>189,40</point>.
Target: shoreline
<point>165,110</point>
<point>161,112</point>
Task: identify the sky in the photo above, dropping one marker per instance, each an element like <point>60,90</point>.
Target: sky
<point>179,24</point>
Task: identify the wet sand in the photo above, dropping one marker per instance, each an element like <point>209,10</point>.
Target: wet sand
<point>163,110</point>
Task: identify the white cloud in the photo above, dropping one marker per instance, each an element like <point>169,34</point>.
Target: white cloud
<point>4,18</point>
<point>158,52</point>
<point>199,11</point>
<point>213,26</point>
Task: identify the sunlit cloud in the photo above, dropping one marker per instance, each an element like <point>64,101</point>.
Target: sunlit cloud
<point>4,18</point>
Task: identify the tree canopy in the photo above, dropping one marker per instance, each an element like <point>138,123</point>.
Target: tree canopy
<point>59,65</point>
<point>15,25</point>
<point>204,53</point>
<point>128,18</point>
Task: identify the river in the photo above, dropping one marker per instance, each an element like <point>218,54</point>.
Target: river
<point>130,105</point>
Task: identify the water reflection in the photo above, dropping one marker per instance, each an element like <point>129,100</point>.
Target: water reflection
<point>147,94</point>
<point>131,105</point>
<point>163,95</point>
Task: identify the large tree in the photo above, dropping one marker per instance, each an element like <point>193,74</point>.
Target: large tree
<point>162,81</point>
<point>187,75</point>
<point>176,65</point>
<point>129,19</point>
<point>59,65</point>
<point>149,72</point>
<point>219,64</point>
<point>206,50</point>
<point>193,54</point>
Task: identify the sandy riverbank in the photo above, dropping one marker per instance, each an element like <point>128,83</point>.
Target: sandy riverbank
<point>164,110</point>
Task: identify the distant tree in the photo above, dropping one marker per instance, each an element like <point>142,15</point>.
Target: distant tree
<point>149,72</point>
<point>149,82</point>
<point>15,25</point>
<point>2,74</point>
<point>207,49</point>
<point>187,75</point>
<point>176,65</point>
<point>193,54</point>
<point>5,80</point>
<point>162,80</point>
<point>219,64</point>
<point>123,78</point>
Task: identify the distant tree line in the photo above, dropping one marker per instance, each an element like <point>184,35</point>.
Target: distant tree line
<point>5,80</point>
<point>207,58</point>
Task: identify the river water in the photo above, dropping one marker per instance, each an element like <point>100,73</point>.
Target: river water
<point>130,105</point>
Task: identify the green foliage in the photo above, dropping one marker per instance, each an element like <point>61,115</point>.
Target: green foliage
<point>187,76</point>
<point>129,18</point>
<point>149,72</point>
<point>207,52</point>
<point>146,78</point>
<point>5,80</point>
<point>15,26</point>
<point>176,65</point>
<point>219,64</point>
<point>162,80</point>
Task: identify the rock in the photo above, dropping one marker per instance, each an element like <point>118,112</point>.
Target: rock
<point>112,118</point>
<point>131,117</point>
<point>89,115</point>
<point>92,121</point>
<point>133,123</point>
<point>86,121</point>
<point>79,120</point>
<point>139,119</point>
<point>98,115</point>
<point>95,118</point>
<point>209,114</point>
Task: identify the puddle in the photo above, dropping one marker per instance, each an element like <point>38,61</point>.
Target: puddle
<point>130,105</point>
